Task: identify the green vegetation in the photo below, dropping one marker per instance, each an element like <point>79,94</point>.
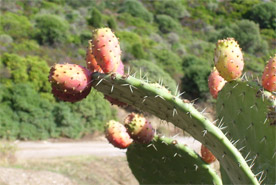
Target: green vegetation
<point>172,40</point>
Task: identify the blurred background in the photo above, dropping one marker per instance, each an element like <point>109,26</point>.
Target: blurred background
<point>47,141</point>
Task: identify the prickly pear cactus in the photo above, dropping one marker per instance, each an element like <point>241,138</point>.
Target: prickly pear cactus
<point>182,114</point>
<point>166,162</point>
<point>248,114</point>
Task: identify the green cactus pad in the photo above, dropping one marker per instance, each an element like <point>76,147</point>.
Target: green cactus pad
<point>248,114</point>
<point>182,114</point>
<point>166,162</point>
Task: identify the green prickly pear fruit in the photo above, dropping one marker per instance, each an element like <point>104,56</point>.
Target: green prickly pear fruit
<point>207,155</point>
<point>269,75</point>
<point>229,59</point>
<point>117,134</point>
<point>215,83</point>
<point>106,49</point>
<point>139,128</point>
<point>91,62</point>
<point>65,96</point>
<point>70,78</point>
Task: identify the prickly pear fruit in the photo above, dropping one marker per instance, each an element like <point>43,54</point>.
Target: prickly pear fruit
<point>207,155</point>
<point>106,49</point>
<point>215,83</point>
<point>120,69</point>
<point>269,75</point>
<point>65,96</point>
<point>91,62</point>
<point>229,59</point>
<point>70,78</point>
<point>117,134</point>
<point>139,128</point>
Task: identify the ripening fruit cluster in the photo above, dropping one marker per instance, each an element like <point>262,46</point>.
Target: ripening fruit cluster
<point>72,83</point>
<point>135,128</point>
<point>229,64</point>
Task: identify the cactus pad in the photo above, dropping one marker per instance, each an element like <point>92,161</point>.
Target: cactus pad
<point>166,162</point>
<point>161,103</point>
<point>248,112</point>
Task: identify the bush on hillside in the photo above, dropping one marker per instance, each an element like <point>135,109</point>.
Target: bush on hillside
<point>196,72</point>
<point>168,61</point>
<point>17,26</point>
<point>30,69</point>
<point>96,18</point>
<point>50,29</point>
<point>167,24</point>
<point>264,14</point>
<point>173,8</point>
<point>136,9</point>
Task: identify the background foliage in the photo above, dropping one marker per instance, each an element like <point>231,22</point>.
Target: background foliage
<point>170,41</point>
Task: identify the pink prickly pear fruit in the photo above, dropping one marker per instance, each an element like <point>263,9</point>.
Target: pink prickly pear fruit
<point>106,49</point>
<point>117,134</point>
<point>120,69</point>
<point>139,129</point>
<point>70,78</point>
<point>215,83</point>
<point>207,155</point>
<point>229,59</point>
<point>91,62</point>
<point>269,75</point>
<point>65,96</point>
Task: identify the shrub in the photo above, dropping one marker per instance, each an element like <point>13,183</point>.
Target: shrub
<point>167,24</point>
<point>96,18</point>
<point>17,26</point>
<point>153,72</point>
<point>173,8</point>
<point>26,70</point>
<point>168,61</point>
<point>264,14</point>
<point>138,25</point>
<point>51,29</point>
<point>31,114</point>
<point>196,72</point>
<point>136,9</point>
<point>111,23</point>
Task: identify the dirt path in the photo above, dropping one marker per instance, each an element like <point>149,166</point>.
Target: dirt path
<point>46,149</point>
<point>37,158</point>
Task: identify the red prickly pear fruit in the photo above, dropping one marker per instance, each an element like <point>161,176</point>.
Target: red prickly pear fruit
<point>115,101</point>
<point>139,129</point>
<point>215,83</point>
<point>229,59</point>
<point>106,49</point>
<point>269,75</point>
<point>207,155</point>
<point>65,96</point>
<point>91,62</point>
<point>117,134</point>
<point>120,69</point>
<point>70,78</point>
